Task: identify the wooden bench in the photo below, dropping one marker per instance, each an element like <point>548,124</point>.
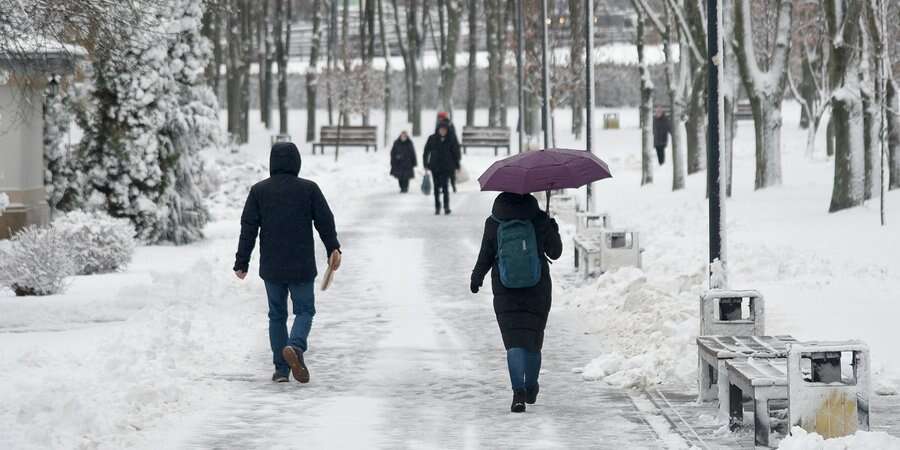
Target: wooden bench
<point>808,389</point>
<point>491,137</point>
<point>348,136</point>
<point>714,351</point>
<point>743,111</point>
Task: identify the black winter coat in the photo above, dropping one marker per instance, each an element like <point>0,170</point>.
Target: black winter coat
<point>441,154</point>
<point>521,313</point>
<point>451,129</point>
<point>283,209</point>
<point>662,127</point>
<point>403,159</point>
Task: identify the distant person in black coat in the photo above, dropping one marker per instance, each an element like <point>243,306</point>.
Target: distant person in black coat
<point>441,157</point>
<point>662,127</point>
<point>443,117</point>
<point>403,161</point>
<point>283,209</point>
<point>521,313</point>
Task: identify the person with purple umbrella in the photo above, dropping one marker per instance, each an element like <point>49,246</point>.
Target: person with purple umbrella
<point>519,241</point>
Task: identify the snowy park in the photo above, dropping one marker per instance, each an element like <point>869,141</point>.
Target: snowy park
<point>372,224</point>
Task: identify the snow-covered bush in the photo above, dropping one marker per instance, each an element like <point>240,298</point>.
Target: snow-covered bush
<point>152,114</point>
<point>98,242</point>
<point>36,262</point>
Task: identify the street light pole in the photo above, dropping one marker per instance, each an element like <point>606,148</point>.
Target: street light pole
<point>545,74</point>
<point>589,88</point>
<point>715,112</point>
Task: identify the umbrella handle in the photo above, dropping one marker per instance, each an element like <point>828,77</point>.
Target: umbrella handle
<point>548,201</point>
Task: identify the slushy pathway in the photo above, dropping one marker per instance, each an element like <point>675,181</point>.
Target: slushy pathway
<point>403,356</point>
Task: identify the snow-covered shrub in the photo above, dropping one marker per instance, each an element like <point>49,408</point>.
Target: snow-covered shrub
<point>36,262</point>
<point>98,242</point>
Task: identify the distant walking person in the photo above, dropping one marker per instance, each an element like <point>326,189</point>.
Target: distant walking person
<point>662,128</point>
<point>519,240</point>
<point>443,117</point>
<point>282,209</point>
<point>403,161</point>
<point>441,157</point>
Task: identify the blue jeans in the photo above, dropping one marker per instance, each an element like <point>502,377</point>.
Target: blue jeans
<point>303,299</point>
<point>524,367</point>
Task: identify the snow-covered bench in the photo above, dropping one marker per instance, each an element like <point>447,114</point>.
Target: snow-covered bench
<point>732,313</point>
<point>491,137</point>
<point>714,351</point>
<point>346,136</point>
<point>607,250</point>
<point>808,389</point>
<point>743,111</point>
<point>586,222</point>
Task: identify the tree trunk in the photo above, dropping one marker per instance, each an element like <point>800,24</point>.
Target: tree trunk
<point>491,14</point>
<point>312,72</point>
<point>415,39</point>
<point>232,74</point>
<point>829,136</point>
<point>731,90</point>
<point>212,29</point>
<point>675,83</point>
<point>471,82</point>
<point>386,51</point>
<point>448,70</point>
<point>266,67</point>
<point>872,150</point>
<point>765,88</point>
<point>646,109</point>
<point>281,58</point>
<point>576,57</point>
<point>846,105</point>
<point>893,100</point>
<point>696,122</point>
<point>246,60</point>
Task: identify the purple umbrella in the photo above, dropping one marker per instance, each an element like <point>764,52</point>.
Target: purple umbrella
<point>544,170</point>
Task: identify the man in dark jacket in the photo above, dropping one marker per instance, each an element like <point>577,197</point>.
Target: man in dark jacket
<point>662,127</point>
<point>282,209</point>
<point>521,313</point>
<point>441,157</point>
<point>444,118</point>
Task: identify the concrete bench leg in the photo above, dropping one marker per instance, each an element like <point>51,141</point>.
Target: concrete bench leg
<point>495,151</point>
<point>708,389</point>
<point>734,405</point>
<point>761,419</point>
<point>722,387</point>
<point>507,151</point>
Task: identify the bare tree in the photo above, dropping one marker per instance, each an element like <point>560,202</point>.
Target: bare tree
<point>813,93</point>
<point>471,82</point>
<point>765,87</point>
<point>843,20</point>
<point>266,51</point>
<point>576,65</point>
<point>448,53</point>
<point>312,71</point>
<point>282,9</point>
<point>646,108</point>
<point>386,51</point>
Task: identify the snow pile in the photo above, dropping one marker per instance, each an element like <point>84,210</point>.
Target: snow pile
<point>800,439</point>
<point>99,243</point>
<point>37,262</point>
<point>648,325</point>
<point>4,202</point>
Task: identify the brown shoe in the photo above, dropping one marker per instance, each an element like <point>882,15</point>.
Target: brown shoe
<point>294,358</point>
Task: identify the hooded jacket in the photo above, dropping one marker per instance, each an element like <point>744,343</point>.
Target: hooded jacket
<point>441,153</point>
<point>403,159</point>
<point>521,313</point>
<point>283,209</point>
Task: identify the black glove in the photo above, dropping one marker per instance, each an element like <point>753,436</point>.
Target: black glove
<point>474,285</point>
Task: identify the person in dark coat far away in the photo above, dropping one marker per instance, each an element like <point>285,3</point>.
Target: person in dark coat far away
<point>662,127</point>
<point>441,157</point>
<point>283,209</point>
<point>443,117</point>
<point>521,313</point>
<point>403,160</point>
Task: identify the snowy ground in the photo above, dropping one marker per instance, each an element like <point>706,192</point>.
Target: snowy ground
<point>173,351</point>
